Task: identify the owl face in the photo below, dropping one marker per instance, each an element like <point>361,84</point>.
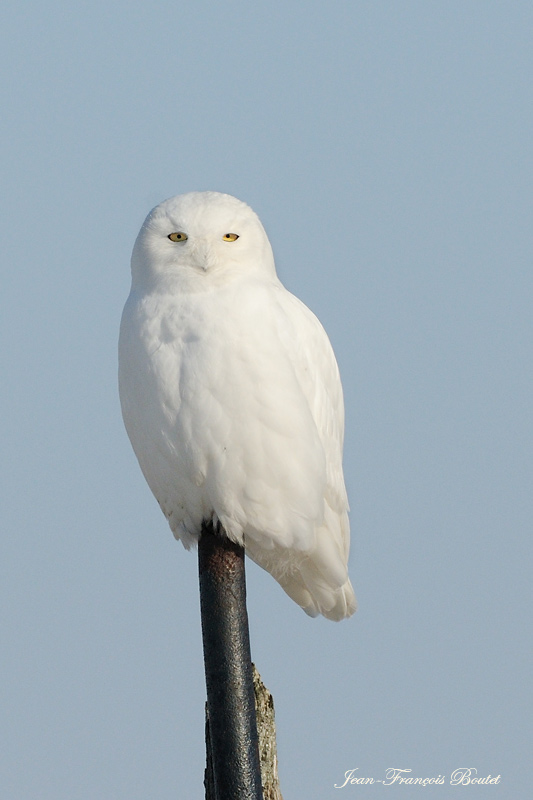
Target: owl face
<point>199,239</point>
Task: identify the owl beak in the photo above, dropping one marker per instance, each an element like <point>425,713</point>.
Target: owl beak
<point>205,256</point>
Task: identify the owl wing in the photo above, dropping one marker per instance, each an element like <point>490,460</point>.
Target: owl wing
<point>309,349</point>
<point>319,582</point>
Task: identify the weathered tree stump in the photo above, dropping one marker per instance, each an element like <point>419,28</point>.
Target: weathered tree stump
<point>266,729</point>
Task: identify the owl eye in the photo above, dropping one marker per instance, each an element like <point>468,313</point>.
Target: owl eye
<point>230,237</point>
<point>179,236</point>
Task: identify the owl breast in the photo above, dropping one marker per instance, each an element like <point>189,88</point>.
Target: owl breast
<point>217,417</point>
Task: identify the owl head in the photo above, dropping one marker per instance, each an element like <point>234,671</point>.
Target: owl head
<point>200,240</point>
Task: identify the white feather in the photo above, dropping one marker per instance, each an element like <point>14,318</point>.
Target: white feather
<point>232,399</point>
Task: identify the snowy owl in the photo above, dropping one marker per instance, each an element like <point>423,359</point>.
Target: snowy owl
<point>232,400</point>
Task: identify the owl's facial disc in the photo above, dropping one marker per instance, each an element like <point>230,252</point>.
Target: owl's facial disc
<point>200,235</point>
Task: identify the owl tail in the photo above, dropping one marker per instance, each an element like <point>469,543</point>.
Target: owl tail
<point>316,596</point>
<point>319,582</point>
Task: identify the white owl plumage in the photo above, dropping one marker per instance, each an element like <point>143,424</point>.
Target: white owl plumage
<point>232,400</point>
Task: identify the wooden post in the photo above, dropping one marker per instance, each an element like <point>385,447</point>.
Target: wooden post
<point>233,739</point>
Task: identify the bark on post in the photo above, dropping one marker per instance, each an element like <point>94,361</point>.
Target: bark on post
<point>233,738</point>
<point>266,728</point>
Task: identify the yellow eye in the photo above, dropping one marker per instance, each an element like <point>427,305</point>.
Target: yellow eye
<point>230,237</point>
<point>179,236</point>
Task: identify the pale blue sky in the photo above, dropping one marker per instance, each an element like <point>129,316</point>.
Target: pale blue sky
<point>387,148</point>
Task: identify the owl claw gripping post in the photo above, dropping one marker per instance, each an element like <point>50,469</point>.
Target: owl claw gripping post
<point>232,399</point>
